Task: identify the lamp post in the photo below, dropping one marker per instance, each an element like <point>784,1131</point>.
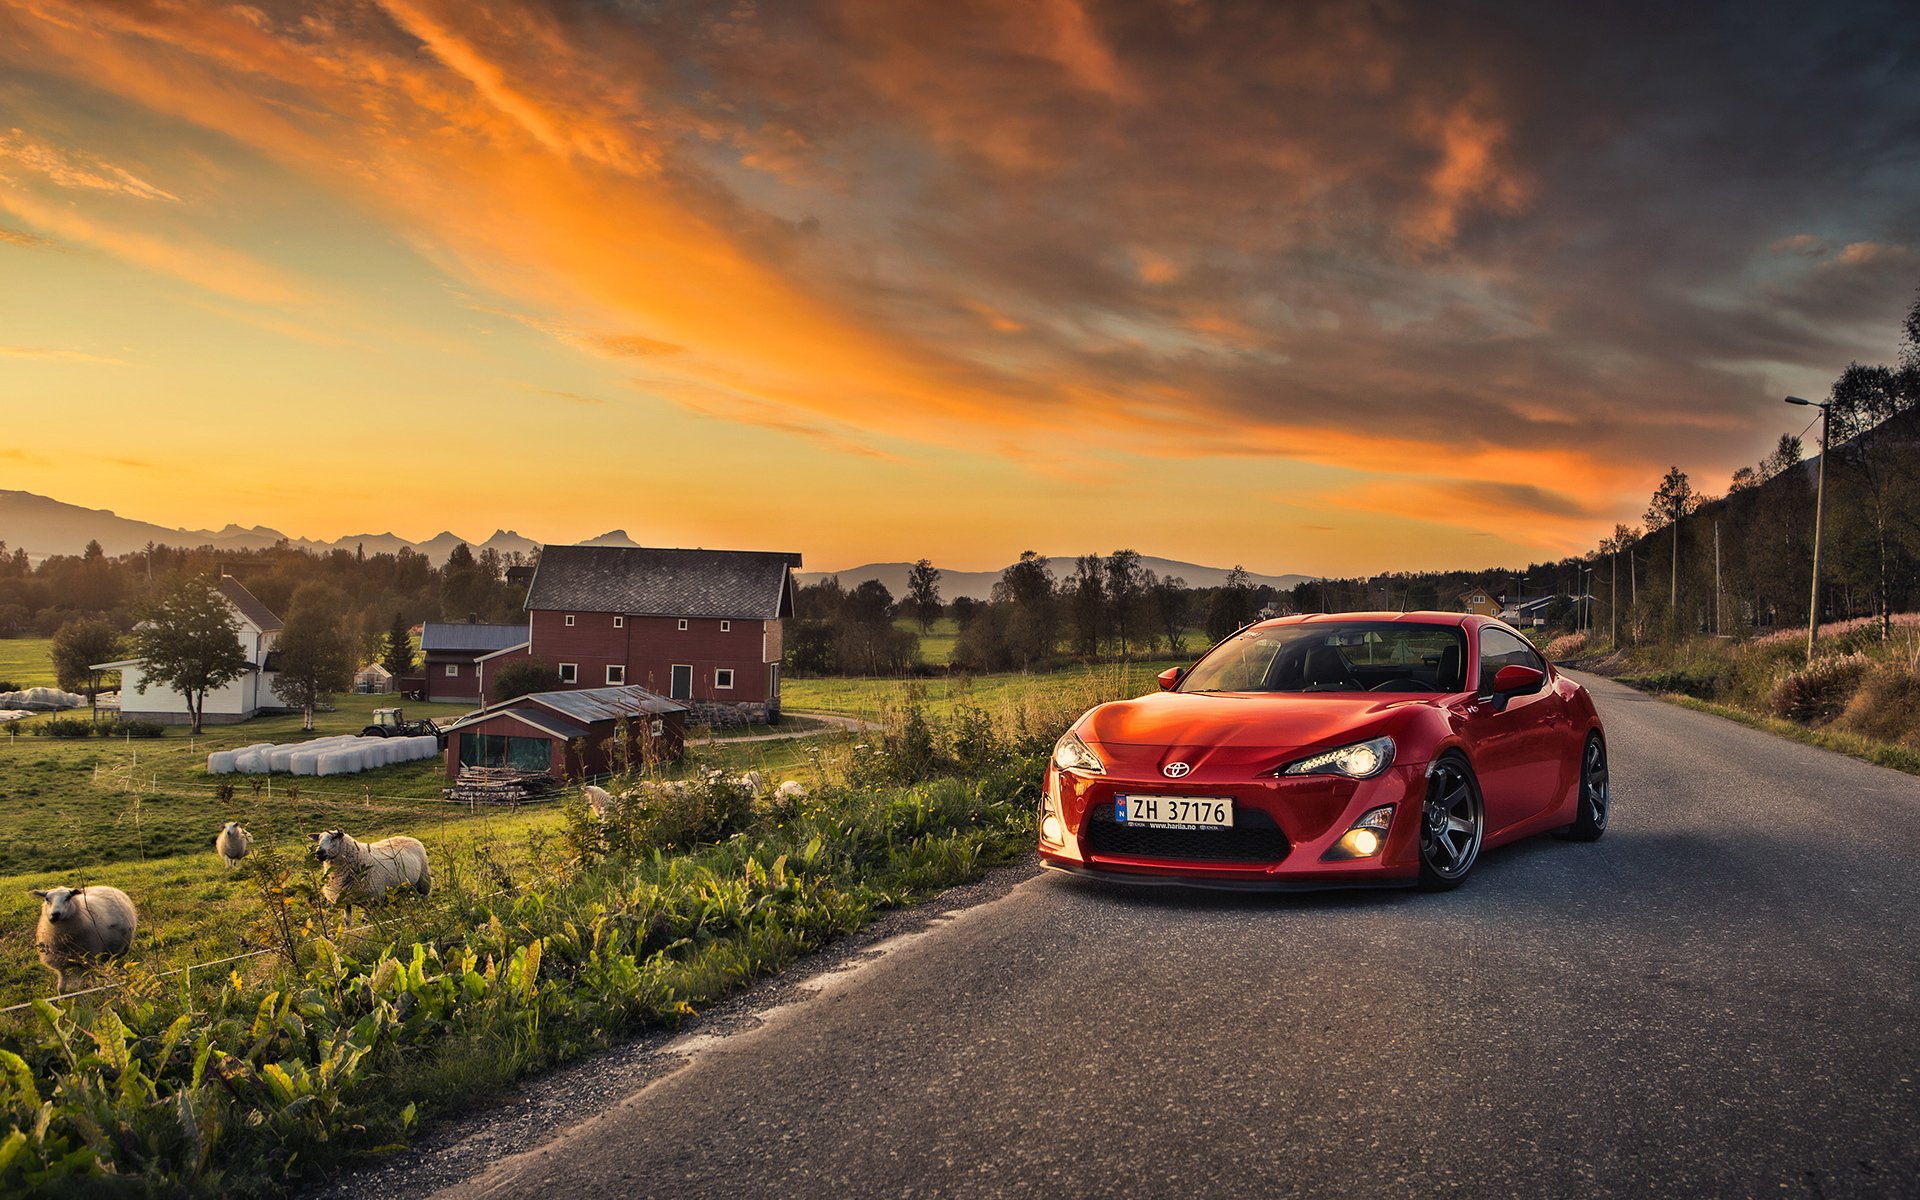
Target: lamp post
<point>1819,503</point>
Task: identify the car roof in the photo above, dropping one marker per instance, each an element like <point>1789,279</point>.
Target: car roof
<point>1410,618</point>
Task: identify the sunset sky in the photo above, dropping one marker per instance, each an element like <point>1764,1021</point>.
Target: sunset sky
<point>1321,288</point>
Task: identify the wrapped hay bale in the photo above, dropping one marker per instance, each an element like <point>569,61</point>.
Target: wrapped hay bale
<point>334,762</point>
<point>305,762</point>
<point>220,762</point>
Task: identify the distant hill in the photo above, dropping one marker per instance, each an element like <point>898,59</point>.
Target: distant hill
<point>43,526</point>
<point>978,585</point>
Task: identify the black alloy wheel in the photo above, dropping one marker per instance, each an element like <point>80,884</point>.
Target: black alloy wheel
<point>1596,794</point>
<point>1452,824</point>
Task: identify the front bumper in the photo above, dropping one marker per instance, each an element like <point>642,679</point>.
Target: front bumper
<point>1309,813</point>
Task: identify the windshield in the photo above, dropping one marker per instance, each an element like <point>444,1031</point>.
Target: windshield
<point>1358,656</point>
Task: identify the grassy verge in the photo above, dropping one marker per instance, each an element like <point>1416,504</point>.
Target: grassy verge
<point>536,946</point>
<point>1883,754</point>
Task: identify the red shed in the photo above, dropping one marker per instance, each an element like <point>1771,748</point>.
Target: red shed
<point>570,734</point>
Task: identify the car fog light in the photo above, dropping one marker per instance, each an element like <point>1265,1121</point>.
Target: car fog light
<point>1364,838</point>
<point>1051,832</point>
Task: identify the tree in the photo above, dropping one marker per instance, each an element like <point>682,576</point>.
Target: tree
<point>1232,605</point>
<point>923,593</point>
<point>189,639</point>
<point>397,656</point>
<point>1673,501</point>
<point>1032,617</point>
<point>1864,399</point>
<point>522,677</point>
<point>1169,600</point>
<point>1086,596</point>
<point>1126,590</point>
<point>314,653</point>
<point>77,646</point>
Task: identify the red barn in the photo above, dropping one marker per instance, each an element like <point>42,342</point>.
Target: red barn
<point>698,626</point>
<point>453,651</point>
<point>568,735</point>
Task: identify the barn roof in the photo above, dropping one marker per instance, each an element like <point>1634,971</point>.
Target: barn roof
<point>639,581</point>
<point>249,605</point>
<point>577,708</point>
<point>458,635</point>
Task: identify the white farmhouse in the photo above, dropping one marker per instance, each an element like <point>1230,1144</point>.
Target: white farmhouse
<point>244,698</point>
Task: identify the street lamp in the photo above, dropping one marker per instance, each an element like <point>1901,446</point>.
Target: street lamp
<point>1819,503</point>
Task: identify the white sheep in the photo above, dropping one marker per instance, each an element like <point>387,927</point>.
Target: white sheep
<point>369,869</point>
<point>232,843</point>
<point>82,926</point>
<point>792,789</point>
<point>598,799</point>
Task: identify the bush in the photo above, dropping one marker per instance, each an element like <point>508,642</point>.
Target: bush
<point>1820,691</point>
<point>522,678</point>
<point>65,727</point>
<point>133,727</point>
<point>1887,706</point>
<point>1566,646</point>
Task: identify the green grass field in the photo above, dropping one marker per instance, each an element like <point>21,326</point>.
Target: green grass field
<point>26,662</point>
<point>867,697</point>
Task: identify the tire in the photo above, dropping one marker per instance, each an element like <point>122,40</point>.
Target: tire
<point>1595,804</point>
<point>1453,824</point>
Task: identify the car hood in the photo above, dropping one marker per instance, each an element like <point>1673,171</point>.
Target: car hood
<point>1233,730</point>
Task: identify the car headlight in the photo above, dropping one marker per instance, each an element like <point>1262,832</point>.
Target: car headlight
<point>1072,754</point>
<point>1362,760</point>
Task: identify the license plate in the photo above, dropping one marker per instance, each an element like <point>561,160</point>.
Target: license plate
<point>1174,812</point>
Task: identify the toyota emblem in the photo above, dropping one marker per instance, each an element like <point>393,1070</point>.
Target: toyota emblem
<point>1175,770</point>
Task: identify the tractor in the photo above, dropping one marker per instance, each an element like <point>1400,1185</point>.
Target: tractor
<point>392,722</point>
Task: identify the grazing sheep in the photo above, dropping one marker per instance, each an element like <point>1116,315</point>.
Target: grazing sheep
<point>367,870</point>
<point>232,844</point>
<point>82,926</point>
<point>792,789</point>
<point>598,799</point>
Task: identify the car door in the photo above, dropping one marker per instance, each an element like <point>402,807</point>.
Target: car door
<point>1517,742</point>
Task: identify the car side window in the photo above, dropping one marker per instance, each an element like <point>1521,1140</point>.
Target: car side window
<point>1498,648</point>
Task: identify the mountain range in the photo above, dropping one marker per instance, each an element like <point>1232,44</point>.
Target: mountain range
<point>43,526</point>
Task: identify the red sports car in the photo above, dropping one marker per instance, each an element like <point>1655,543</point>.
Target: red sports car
<point>1330,751</point>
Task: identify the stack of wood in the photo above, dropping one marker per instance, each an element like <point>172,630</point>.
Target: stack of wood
<point>502,785</point>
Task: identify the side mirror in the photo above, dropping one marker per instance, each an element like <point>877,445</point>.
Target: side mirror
<point>1513,679</point>
<point>1170,678</point>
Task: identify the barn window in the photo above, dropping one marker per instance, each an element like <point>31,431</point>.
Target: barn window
<point>726,627</point>
<point>453,668</point>
<point>723,678</point>
<point>569,672</point>
<point>496,750</point>
<point>616,675</point>
<point>658,727</point>
<point>683,623</point>
<point>619,622</point>
<point>569,620</point>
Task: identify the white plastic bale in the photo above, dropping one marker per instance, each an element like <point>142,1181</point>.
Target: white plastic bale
<point>331,762</point>
<point>220,762</point>
<point>305,762</point>
<point>280,758</point>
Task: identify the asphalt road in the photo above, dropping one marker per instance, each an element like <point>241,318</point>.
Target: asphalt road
<point>1716,1000</point>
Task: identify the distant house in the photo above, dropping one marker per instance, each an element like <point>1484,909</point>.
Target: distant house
<point>703,627</point>
<point>452,651</point>
<point>568,734</point>
<point>1528,612</point>
<point>244,698</point>
<point>1480,602</point>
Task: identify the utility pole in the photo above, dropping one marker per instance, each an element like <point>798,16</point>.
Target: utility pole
<point>1613,606</point>
<point>1819,504</point>
<point>1718,630</point>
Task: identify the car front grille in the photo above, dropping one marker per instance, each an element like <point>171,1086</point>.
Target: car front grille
<point>1254,838</point>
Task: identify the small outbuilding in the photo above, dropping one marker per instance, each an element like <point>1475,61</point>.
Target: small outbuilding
<point>373,680</point>
<point>569,734</point>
